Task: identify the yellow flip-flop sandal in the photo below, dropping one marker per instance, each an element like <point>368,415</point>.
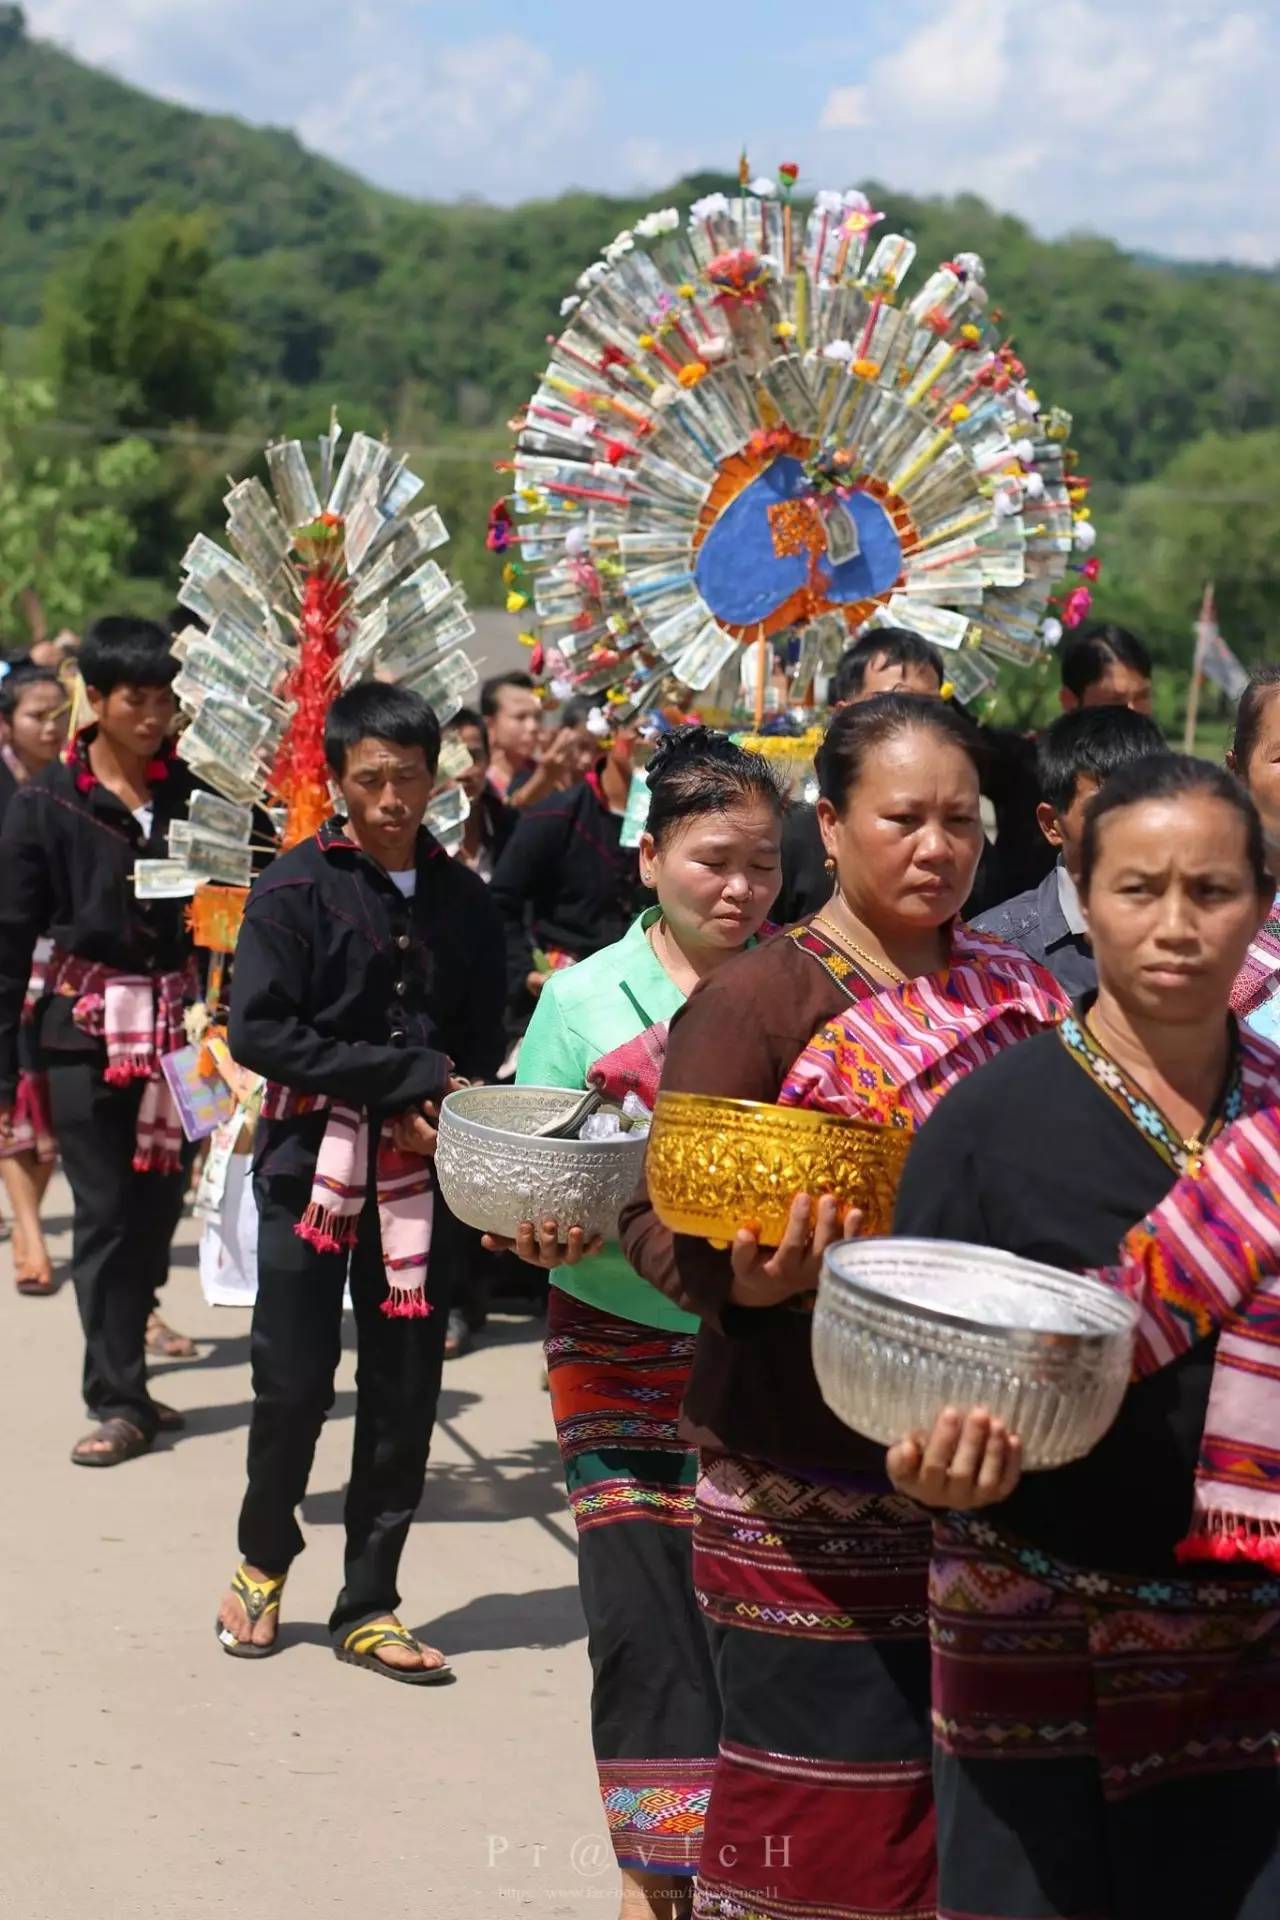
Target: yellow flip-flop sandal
<point>360,1649</point>
<point>258,1598</point>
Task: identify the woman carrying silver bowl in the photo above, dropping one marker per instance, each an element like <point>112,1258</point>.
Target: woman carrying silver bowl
<point>809,1570</point>
<point>1106,1637</point>
<point>618,1353</point>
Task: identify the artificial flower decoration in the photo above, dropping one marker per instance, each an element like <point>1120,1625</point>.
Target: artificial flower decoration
<point>1075,607</point>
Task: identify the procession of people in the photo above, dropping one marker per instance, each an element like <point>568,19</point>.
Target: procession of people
<point>828,1679</point>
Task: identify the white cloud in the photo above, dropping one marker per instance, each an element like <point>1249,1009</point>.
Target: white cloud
<point>845,107</point>
<point>1154,123</point>
<point>1151,120</point>
<point>487,113</point>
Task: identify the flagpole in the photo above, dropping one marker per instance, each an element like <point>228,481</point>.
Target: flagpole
<point>1193,695</point>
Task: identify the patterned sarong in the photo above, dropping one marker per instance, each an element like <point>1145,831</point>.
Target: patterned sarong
<point>616,1389</point>
<point>1106,1746</point>
<point>814,1597</point>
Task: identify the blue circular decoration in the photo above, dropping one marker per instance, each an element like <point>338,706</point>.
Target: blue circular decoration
<point>743,579</point>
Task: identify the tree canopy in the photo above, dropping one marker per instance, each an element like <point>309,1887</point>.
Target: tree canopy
<point>182,275</point>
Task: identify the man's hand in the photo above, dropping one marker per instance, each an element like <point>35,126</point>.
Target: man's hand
<point>968,1461</point>
<point>564,757</point>
<point>763,1279</point>
<point>416,1132</point>
<point>545,1245</point>
<point>535,982</point>
<point>564,761</point>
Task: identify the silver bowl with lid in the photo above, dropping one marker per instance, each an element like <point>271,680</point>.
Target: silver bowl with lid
<point>904,1328</point>
<point>493,1172</point>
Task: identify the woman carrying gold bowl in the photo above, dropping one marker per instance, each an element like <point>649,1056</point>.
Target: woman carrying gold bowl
<point>809,1569</point>
<point>618,1354</point>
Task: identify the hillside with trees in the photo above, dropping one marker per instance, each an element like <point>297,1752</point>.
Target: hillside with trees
<point>204,285</point>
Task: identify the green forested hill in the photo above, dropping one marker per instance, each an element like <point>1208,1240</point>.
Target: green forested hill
<point>80,150</point>
<point>430,320</point>
<point>336,288</point>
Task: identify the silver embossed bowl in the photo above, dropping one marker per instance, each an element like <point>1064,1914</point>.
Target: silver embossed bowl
<point>904,1328</point>
<point>493,1174</point>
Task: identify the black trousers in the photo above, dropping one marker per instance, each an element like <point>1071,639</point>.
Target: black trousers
<point>295,1346</point>
<point>463,1264</point>
<point>124,1223</point>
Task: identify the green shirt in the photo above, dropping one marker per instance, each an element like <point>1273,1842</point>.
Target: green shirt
<point>583,1012</point>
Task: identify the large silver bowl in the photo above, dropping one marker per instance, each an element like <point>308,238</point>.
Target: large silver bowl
<point>493,1175</point>
<point>903,1328</point>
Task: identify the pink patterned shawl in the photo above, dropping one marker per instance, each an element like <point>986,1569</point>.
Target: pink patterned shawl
<point>1257,976</point>
<point>891,1055</point>
<point>1207,1260</point>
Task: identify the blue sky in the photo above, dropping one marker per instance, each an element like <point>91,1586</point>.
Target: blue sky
<point>1150,120</point>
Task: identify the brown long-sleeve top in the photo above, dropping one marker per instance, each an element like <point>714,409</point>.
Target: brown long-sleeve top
<point>753,1388</point>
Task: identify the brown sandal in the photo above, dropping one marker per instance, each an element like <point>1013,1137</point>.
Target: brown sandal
<point>165,1344</point>
<point>124,1442</point>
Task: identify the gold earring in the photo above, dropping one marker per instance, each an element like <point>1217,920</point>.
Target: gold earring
<point>829,866</point>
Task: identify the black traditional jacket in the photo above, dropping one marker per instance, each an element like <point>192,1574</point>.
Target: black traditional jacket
<point>67,849</point>
<point>564,881</point>
<point>345,989</point>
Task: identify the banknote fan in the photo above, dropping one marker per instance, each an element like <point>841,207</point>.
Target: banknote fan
<point>751,430</point>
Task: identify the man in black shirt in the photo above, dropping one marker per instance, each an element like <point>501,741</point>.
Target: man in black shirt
<point>369,973</point>
<point>565,885</point>
<point>120,973</point>
<point>886,660</point>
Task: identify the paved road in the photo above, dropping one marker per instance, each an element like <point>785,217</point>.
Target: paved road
<point>145,1774</point>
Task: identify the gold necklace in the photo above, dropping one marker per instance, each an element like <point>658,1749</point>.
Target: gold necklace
<point>842,939</point>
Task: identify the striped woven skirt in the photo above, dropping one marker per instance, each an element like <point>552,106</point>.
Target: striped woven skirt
<point>616,1389</point>
<point>821,1803</point>
<point>1106,1746</point>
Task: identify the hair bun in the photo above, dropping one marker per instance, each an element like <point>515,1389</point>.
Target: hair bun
<point>686,744</point>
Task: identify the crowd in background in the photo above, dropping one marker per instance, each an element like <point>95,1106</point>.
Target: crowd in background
<point>1051,960</point>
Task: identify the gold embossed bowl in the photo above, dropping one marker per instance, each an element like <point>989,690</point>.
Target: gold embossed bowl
<point>716,1165</point>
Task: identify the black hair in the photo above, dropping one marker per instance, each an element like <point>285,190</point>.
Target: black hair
<point>697,771</point>
<point>857,731</point>
<point>1084,660</point>
<point>465,717</point>
<point>1167,776</point>
<point>16,682</point>
<point>121,651</point>
<point>576,712</point>
<point>179,618</point>
<point>372,710</point>
<point>1263,682</point>
<point>492,688</point>
<point>896,646</point>
<point>1094,741</point>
